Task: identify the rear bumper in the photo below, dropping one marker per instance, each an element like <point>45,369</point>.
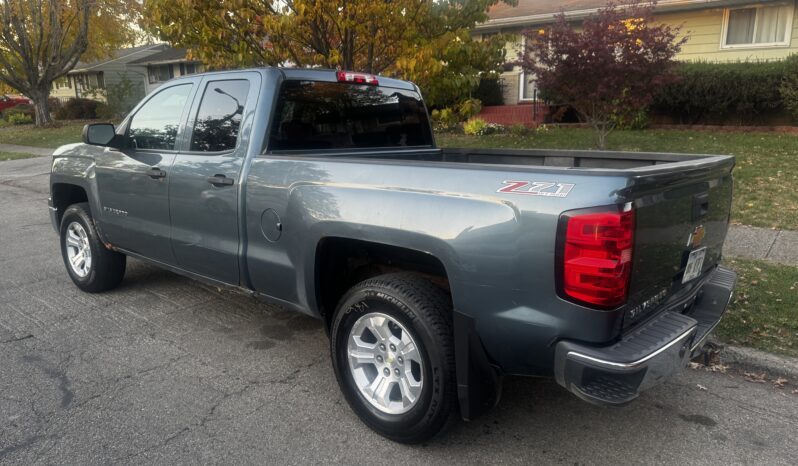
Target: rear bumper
<point>658,349</point>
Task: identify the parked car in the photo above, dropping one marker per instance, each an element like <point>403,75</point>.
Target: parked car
<point>8,101</point>
<point>436,271</point>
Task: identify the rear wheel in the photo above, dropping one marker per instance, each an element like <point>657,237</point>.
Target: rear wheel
<point>91,266</point>
<point>393,356</point>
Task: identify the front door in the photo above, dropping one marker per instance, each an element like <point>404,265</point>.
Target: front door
<point>205,176</point>
<point>134,183</point>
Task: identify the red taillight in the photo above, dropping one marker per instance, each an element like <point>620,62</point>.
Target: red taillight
<point>596,256</point>
<point>357,78</point>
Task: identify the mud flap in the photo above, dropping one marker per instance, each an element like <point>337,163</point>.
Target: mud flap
<point>478,381</point>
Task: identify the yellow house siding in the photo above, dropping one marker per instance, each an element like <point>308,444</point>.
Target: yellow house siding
<point>705,28</point>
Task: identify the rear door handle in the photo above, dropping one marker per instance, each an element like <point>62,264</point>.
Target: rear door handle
<point>220,180</point>
<point>156,173</point>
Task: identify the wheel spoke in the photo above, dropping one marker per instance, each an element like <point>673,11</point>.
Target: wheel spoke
<point>410,353</point>
<point>72,240</point>
<point>410,390</point>
<point>383,391</point>
<point>379,327</point>
<point>362,357</point>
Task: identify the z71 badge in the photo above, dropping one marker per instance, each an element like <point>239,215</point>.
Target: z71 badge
<point>536,188</point>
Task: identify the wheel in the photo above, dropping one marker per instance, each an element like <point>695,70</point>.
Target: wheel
<point>393,354</point>
<point>91,266</point>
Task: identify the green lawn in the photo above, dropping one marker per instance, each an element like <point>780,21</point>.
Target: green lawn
<point>766,176</point>
<point>28,135</point>
<point>764,311</point>
<point>14,155</point>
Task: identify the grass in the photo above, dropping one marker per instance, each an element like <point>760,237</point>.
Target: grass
<point>766,175</point>
<point>764,311</point>
<point>28,135</point>
<point>14,156</point>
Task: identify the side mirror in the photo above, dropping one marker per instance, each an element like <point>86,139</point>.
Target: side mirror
<point>98,134</point>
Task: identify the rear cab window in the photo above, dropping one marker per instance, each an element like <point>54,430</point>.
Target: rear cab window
<point>317,115</point>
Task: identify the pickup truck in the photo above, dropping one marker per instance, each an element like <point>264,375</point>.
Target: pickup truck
<point>436,271</point>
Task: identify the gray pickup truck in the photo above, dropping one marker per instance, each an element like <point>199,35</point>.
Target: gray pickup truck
<point>436,271</point>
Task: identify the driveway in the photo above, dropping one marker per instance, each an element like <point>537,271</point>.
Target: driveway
<point>166,370</point>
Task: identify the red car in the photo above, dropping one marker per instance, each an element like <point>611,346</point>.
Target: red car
<point>8,101</point>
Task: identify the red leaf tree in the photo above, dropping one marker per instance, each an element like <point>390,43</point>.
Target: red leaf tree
<point>608,70</point>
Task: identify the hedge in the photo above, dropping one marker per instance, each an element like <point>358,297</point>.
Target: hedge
<point>77,109</point>
<point>741,92</point>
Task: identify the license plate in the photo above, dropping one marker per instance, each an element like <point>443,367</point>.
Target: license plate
<point>694,264</point>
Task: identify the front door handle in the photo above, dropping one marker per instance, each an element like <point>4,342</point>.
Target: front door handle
<point>220,180</point>
<point>156,173</point>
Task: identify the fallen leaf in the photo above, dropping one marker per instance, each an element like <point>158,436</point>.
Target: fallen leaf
<point>779,382</point>
<point>754,377</point>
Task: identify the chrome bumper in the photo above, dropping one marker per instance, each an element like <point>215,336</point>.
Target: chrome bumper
<point>650,354</point>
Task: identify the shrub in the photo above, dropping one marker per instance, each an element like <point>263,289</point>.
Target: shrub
<point>489,91</point>
<point>518,129</point>
<point>788,90</point>
<point>20,119</point>
<point>717,91</point>
<point>77,109</point>
<point>469,108</point>
<point>444,119</point>
<point>23,109</point>
<point>479,127</point>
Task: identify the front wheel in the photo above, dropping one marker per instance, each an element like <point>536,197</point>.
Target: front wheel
<point>393,356</point>
<point>91,266</point>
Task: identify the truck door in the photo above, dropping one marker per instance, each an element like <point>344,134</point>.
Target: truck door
<point>204,178</point>
<point>134,182</point>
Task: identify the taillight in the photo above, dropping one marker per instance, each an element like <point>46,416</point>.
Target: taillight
<point>356,78</point>
<point>595,255</point>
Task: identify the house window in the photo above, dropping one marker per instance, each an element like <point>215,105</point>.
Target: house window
<point>527,87</point>
<point>758,26</point>
<point>160,73</point>
<point>63,83</point>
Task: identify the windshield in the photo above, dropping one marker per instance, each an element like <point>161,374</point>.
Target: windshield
<point>325,115</point>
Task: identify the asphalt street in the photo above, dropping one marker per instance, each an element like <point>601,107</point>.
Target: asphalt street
<point>165,370</point>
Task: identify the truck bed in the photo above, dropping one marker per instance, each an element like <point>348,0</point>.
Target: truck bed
<point>539,158</point>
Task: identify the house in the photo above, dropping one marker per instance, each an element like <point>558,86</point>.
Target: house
<point>717,30</point>
<point>146,67</point>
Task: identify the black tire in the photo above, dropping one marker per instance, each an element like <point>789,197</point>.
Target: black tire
<point>107,267</point>
<point>426,312</point>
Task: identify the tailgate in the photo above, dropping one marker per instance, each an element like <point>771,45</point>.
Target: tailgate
<point>678,212</point>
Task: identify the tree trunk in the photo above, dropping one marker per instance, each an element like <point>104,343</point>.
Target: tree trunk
<point>42,107</point>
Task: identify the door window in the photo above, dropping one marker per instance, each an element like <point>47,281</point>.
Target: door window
<point>219,116</point>
<point>155,125</point>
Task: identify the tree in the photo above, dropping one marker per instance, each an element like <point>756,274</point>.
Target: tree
<point>415,39</point>
<point>609,70</point>
<point>42,40</point>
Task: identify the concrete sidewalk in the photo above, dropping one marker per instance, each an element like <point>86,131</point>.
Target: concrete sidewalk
<point>746,242</point>
<point>39,151</point>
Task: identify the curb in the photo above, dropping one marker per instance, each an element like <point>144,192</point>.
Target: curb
<point>753,360</point>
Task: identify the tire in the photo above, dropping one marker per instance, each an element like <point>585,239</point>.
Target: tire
<point>413,309</point>
<point>104,268</point>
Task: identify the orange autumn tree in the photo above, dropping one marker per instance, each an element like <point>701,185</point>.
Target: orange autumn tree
<point>42,40</point>
<point>423,40</point>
